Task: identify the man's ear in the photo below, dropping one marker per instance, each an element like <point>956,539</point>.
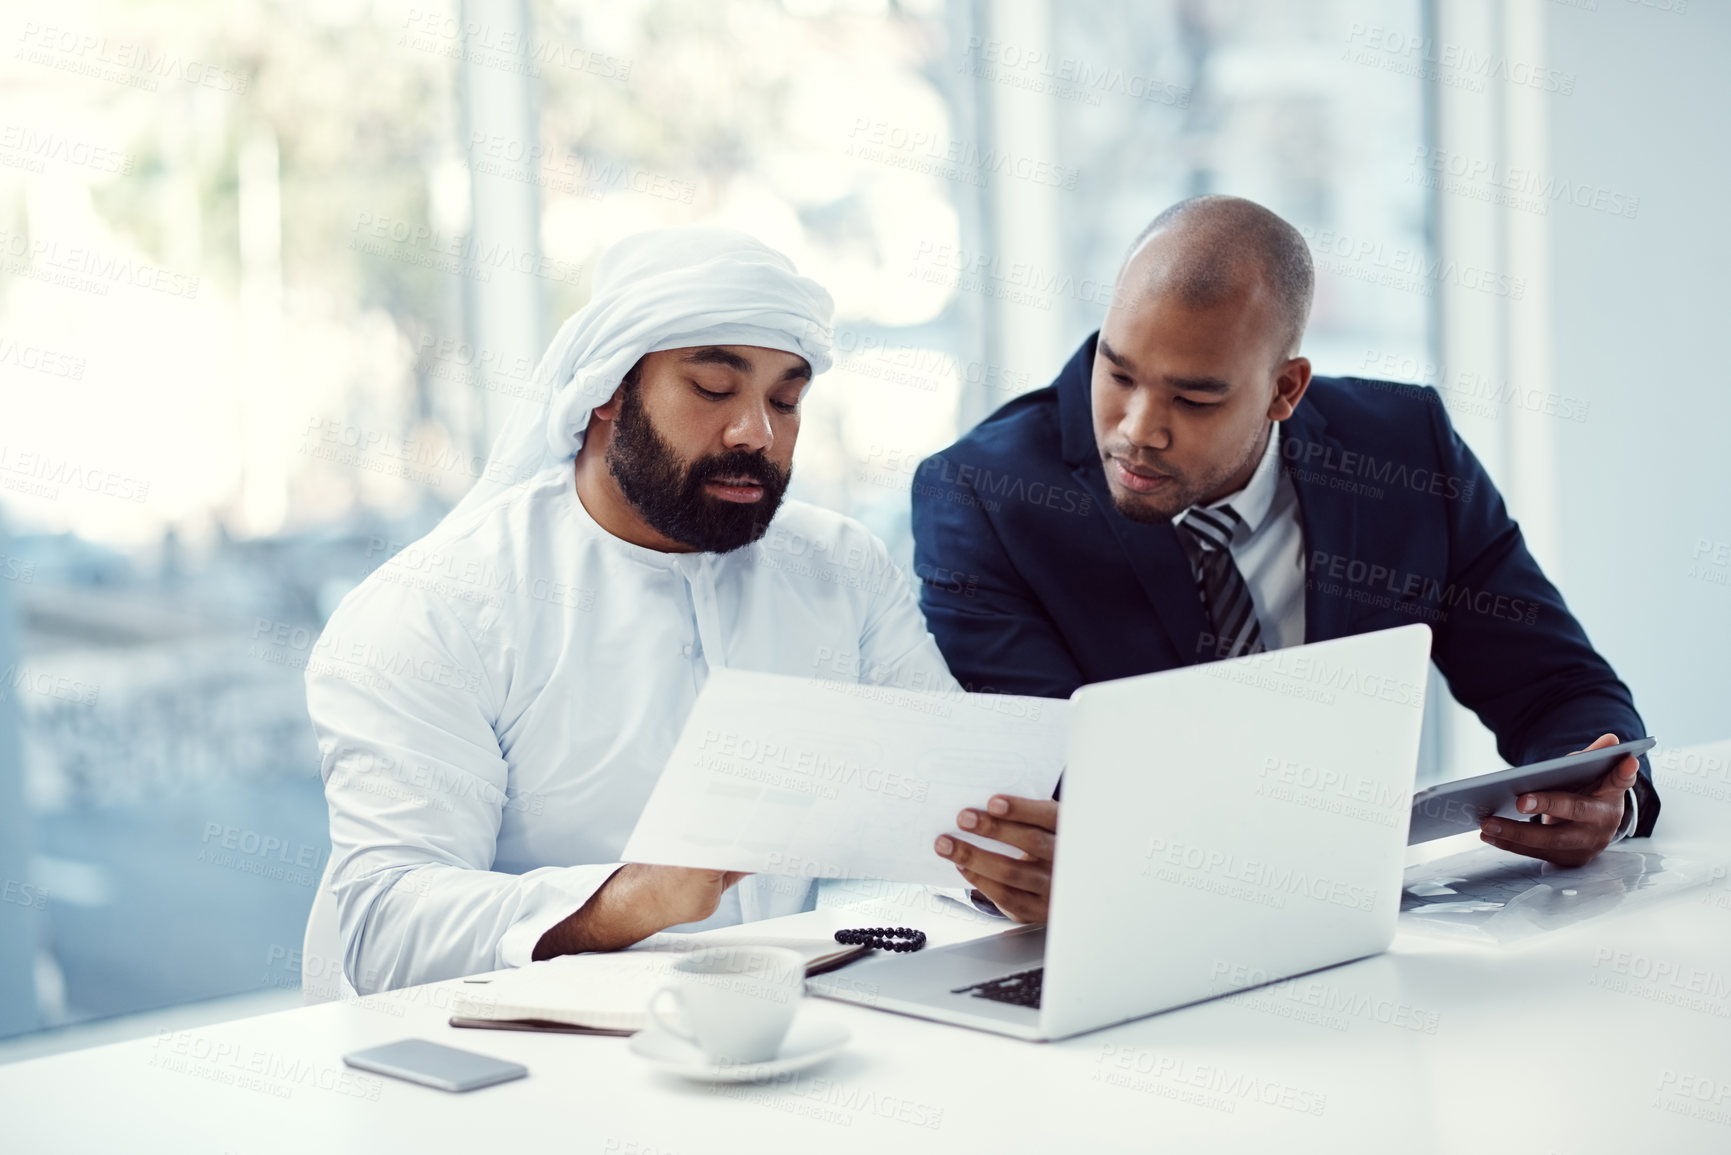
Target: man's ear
<point>1290,382</point>
<point>609,409</point>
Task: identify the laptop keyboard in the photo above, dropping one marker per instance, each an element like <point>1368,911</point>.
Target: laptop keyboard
<point>1021,989</point>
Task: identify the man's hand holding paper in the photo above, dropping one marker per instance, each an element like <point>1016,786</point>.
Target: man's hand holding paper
<point>809,778</point>
<point>1018,884</point>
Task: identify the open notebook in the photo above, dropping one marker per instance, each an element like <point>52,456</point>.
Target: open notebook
<point>605,994</point>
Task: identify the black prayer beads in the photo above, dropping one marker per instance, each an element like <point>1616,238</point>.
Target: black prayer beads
<point>891,938</point>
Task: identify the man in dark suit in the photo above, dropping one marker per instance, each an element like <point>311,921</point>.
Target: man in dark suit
<point>1185,491</point>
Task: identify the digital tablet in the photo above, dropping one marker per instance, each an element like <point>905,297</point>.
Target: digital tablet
<point>1459,806</point>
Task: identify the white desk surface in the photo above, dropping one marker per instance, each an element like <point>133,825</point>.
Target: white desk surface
<point>1610,1036</point>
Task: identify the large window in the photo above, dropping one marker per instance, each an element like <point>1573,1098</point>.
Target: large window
<point>261,307</point>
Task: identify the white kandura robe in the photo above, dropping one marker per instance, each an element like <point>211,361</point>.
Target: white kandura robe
<point>494,704</point>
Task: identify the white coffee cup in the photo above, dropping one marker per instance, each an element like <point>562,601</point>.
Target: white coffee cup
<point>734,1003</point>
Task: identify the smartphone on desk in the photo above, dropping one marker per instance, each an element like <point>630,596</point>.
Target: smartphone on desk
<point>435,1065</point>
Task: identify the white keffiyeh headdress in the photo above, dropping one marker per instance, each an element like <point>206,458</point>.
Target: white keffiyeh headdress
<point>663,289</point>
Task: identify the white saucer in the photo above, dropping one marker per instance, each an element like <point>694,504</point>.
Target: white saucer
<point>809,1041</point>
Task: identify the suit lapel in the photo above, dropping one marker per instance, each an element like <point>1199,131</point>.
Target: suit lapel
<point>1160,567</point>
<point>1329,514</point>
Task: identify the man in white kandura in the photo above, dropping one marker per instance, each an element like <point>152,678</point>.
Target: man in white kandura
<point>494,704</point>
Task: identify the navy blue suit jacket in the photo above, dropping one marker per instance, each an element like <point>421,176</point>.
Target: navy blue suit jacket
<point>1033,583</point>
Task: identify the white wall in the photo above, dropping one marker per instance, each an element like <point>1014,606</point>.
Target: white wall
<point>1641,330</point>
<point>1579,152</point>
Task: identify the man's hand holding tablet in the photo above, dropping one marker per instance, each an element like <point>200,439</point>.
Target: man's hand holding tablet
<point>1573,826</point>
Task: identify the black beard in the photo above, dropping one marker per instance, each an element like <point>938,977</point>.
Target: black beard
<point>670,496</point>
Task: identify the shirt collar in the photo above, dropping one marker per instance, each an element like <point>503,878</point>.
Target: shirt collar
<point>1253,502</point>
<point>687,563</point>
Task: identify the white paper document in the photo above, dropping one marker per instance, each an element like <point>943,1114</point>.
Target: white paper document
<point>816,779</point>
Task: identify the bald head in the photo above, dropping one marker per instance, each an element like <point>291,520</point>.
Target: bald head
<point>1209,250</point>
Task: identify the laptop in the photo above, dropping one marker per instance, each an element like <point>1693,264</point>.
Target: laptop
<point>1223,826</point>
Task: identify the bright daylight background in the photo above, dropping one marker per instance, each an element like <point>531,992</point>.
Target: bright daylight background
<point>263,299</point>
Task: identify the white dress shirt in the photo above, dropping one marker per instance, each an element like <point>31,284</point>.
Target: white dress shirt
<point>1268,549</point>
<point>494,704</point>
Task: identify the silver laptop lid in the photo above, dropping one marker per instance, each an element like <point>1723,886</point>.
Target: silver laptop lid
<point>1231,823</point>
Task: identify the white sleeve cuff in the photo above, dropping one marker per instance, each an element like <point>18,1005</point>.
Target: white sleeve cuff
<point>965,896</point>
<point>1631,817</point>
<point>517,946</point>
<point>953,893</point>
<point>986,906</point>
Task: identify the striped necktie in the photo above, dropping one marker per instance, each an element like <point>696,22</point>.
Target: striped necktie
<point>1225,596</point>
